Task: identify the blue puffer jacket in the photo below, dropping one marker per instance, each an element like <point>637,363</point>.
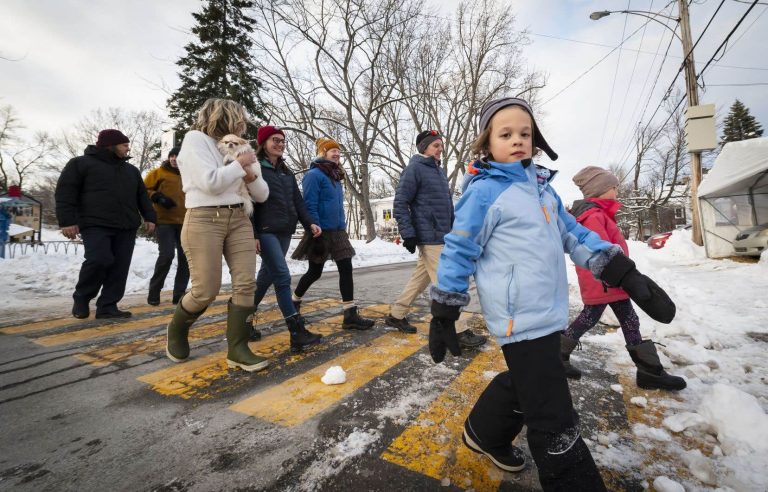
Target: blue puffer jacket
<point>423,204</point>
<point>511,234</point>
<point>325,199</point>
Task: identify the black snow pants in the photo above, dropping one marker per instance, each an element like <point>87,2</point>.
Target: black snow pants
<point>534,391</point>
<point>108,254</point>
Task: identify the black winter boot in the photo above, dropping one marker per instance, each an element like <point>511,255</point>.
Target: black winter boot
<point>468,339</point>
<point>401,324</point>
<point>300,336</point>
<point>238,352</point>
<point>177,345</point>
<point>353,321</point>
<point>567,345</point>
<point>80,309</point>
<point>650,373</point>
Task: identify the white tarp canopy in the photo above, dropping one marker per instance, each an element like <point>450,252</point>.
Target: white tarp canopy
<point>734,194</point>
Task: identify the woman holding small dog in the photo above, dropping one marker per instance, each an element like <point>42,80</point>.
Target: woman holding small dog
<point>274,222</point>
<point>216,224</point>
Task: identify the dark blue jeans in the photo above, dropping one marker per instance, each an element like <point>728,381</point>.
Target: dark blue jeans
<point>274,271</point>
<point>169,242</point>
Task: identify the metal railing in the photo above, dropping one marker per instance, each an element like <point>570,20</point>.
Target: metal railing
<point>22,248</point>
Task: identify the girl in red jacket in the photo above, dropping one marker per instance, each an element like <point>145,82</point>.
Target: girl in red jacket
<point>597,212</point>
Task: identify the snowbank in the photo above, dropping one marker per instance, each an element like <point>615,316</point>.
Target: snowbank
<point>34,276</point>
<point>718,342</point>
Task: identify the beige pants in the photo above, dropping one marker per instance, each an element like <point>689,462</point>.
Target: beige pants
<point>424,274</point>
<point>209,233</point>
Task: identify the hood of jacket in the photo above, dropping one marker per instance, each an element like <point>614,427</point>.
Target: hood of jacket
<point>581,207</point>
<point>104,154</point>
<point>514,171</point>
<point>425,160</point>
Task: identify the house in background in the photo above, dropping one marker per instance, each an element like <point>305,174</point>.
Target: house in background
<point>26,215</point>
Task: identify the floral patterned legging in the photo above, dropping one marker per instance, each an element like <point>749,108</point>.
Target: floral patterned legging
<point>590,315</point>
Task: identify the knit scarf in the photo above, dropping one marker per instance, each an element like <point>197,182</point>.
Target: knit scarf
<point>329,168</point>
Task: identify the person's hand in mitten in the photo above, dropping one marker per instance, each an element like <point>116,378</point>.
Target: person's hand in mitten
<point>409,243</point>
<point>621,272</point>
<point>442,331</point>
<point>163,200</point>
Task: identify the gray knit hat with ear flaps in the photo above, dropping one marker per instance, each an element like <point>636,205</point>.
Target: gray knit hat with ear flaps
<point>492,107</point>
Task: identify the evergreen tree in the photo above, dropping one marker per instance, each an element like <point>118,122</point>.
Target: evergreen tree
<point>218,63</point>
<point>740,125</point>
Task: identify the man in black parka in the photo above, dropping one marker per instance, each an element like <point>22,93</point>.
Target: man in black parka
<point>102,197</point>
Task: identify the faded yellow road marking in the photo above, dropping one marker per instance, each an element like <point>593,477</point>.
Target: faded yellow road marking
<point>114,353</point>
<point>432,444</point>
<point>58,322</point>
<point>192,378</point>
<point>304,396</point>
<point>114,328</point>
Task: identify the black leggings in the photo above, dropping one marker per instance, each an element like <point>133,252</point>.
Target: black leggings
<point>346,284</point>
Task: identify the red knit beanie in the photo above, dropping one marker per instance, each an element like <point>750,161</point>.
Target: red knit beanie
<point>110,137</point>
<point>267,131</point>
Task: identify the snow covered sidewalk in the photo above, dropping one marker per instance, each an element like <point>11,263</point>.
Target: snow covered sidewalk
<point>33,279</point>
<point>714,434</point>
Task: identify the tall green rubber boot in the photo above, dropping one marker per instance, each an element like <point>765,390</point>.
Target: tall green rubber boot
<point>238,332</point>
<point>177,345</point>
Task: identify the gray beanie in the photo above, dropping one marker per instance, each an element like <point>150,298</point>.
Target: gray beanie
<point>492,107</point>
<point>593,181</point>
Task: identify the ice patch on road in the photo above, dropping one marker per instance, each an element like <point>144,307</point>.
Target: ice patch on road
<point>335,459</point>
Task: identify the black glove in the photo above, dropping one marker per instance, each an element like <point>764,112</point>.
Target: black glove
<point>442,331</point>
<point>162,200</point>
<point>409,243</point>
<point>621,272</point>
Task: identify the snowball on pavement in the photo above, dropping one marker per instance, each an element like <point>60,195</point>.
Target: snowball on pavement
<point>334,375</point>
<point>665,484</point>
<point>617,388</point>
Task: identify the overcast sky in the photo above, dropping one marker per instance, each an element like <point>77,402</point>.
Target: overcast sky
<point>75,56</point>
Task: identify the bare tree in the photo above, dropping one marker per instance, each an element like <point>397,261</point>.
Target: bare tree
<point>659,176</point>
<point>21,158</point>
<point>345,86</point>
<point>453,67</point>
<point>143,128</point>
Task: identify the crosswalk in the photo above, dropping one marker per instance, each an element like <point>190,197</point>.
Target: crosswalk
<point>290,393</point>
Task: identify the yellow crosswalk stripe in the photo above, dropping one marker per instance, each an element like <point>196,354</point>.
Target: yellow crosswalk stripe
<point>432,444</point>
<point>304,396</point>
<point>114,328</point>
<point>123,351</point>
<point>193,378</point>
<point>58,322</point>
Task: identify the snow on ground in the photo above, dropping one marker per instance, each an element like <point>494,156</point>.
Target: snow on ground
<point>718,342</point>
<point>28,278</point>
<point>711,436</point>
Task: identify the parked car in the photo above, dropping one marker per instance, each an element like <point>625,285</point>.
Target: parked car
<point>657,241</point>
<point>752,241</point>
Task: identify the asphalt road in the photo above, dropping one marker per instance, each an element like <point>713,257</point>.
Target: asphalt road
<point>96,405</point>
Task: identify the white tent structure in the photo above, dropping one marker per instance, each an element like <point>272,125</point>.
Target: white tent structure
<point>734,195</point>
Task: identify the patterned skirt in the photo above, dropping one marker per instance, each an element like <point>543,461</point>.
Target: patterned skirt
<point>331,244</point>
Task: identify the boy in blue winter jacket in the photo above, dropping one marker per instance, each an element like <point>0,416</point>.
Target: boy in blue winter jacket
<point>511,231</point>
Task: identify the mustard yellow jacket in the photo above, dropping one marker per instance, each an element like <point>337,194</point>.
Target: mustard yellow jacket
<point>166,180</point>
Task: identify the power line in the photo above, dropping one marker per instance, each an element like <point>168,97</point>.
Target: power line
<point>596,64</point>
<point>613,84</point>
<point>725,41</point>
<point>738,85</point>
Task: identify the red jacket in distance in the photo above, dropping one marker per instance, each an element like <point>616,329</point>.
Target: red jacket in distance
<point>599,215</point>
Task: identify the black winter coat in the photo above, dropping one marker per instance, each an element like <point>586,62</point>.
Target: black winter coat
<point>100,189</point>
<point>423,204</point>
<point>285,205</point>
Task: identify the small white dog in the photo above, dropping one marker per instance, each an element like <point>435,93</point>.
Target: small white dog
<point>232,146</point>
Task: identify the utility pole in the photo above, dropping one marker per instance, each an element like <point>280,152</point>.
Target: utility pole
<point>692,93</point>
